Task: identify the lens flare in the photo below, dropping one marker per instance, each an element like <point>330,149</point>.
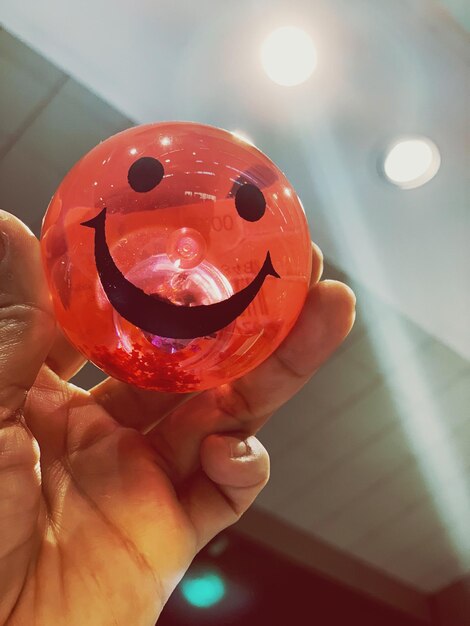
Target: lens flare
<point>288,56</point>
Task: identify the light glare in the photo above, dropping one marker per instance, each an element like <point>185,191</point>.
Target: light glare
<point>288,56</point>
<point>203,591</point>
<point>412,162</point>
<point>239,134</point>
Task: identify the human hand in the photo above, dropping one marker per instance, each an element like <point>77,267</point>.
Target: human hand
<point>106,496</point>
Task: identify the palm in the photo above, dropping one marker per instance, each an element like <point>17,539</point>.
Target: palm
<point>108,526</point>
<point>130,484</point>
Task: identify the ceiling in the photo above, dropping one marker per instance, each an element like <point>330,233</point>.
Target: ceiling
<point>373,455</point>
<point>460,11</point>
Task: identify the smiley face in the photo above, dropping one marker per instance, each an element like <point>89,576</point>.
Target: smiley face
<point>177,255</point>
<point>150,312</point>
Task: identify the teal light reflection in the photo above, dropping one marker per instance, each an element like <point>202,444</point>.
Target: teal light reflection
<point>204,590</point>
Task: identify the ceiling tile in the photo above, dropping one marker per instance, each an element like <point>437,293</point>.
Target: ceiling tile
<point>26,185</point>
<point>88,376</point>
<point>424,374</point>
<point>339,381</point>
<point>333,490</point>
<point>387,343</point>
<point>370,429</point>
<point>378,505</point>
<point>73,122</point>
<point>440,571</point>
<point>357,424</point>
<point>371,507</point>
<point>305,440</point>
<point>436,563</point>
<point>294,421</point>
<point>370,309</point>
<point>319,451</point>
<point>358,330</point>
<point>293,468</point>
<point>422,509</point>
<point>26,81</point>
<point>402,534</point>
<point>417,567</point>
<point>332,272</point>
<point>453,402</point>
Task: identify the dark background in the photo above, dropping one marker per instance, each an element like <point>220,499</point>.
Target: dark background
<point>262,588</point>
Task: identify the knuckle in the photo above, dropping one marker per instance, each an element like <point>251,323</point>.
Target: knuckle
<point>233,402</point>
<point>288,367</point>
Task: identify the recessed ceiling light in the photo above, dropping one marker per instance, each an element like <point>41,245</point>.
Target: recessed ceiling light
<point>288,56</point>
<point>411,162</point>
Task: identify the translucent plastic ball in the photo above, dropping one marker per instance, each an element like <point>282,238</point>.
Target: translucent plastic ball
<point>178,256</point>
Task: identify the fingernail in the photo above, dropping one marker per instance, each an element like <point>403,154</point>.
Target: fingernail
<point>239,449</point>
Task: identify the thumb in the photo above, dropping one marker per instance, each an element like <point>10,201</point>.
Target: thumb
<point>26,321</point>
<point>234,470</point>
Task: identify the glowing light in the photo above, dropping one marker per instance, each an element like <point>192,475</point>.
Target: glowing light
<point>288,56</point>
<point>165,141</point>
<point>239,134</point>
<point>204,590</point>
<point>412,162</point>
<point>133,151</point>
<point>218,546</point>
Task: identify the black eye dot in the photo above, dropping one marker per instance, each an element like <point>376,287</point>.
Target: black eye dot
<point>250,203</point>
<point>145,174</point>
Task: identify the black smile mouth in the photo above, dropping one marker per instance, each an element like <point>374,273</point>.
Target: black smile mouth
<point>157,316</point>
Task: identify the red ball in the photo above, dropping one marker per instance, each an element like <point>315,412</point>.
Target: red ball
<point>178,256</point>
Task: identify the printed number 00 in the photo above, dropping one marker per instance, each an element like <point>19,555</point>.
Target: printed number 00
<point>222,223</point>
